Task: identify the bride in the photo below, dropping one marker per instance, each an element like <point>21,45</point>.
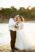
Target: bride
<point>21,39</point>
<point>19,33</point>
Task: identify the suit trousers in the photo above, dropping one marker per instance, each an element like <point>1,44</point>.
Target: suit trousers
<point>13,38</point>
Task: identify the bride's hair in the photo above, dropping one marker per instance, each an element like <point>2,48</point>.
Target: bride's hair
<point>21,17</point>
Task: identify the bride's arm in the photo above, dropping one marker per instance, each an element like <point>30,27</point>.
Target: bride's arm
<point>19,26</point>
<point>16,27</point>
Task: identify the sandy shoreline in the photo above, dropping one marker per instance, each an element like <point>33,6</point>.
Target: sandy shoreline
<point>7,48</point>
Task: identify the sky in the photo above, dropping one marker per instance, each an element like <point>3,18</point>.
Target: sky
<point>17,3</point>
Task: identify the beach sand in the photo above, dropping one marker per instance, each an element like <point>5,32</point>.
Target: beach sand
<point>7,48</point>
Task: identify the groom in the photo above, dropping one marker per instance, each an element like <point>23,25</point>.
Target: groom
<point>12,24</point>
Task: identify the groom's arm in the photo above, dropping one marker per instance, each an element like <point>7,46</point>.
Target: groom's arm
<point>12,25</point>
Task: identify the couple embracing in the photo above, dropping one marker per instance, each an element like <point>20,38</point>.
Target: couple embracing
<point>16,27</point>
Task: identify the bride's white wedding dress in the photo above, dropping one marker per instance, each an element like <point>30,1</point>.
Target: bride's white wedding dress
<point>22,40</point>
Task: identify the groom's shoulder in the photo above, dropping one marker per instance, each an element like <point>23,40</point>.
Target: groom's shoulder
<point>10,18</point>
